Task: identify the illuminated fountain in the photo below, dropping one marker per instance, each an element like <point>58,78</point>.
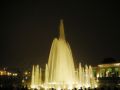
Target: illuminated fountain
<point>60,72</point>
<point>36,79</point>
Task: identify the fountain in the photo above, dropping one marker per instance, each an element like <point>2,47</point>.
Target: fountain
<point>60,72</point>
<point>36,77</point>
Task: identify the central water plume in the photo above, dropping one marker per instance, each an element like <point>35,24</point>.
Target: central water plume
<point>60,64</point>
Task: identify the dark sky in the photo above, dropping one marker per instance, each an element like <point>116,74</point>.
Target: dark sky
<point>28,29</point>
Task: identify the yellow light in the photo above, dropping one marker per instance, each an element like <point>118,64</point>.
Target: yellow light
<point>96,85</point>
<point>1,73</point>
<point>9,74</point>
<point>15,74</point>
<point>26,73</point>
<point>23,81</point>
<point>33,86</point>
<point>97,75</point>
<point>109,65</point>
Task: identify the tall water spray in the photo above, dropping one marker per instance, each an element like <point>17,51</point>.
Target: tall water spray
<point>60,72</point>
<point>60,64</point>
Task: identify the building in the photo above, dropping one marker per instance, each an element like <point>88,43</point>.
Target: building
<point>108,72</point>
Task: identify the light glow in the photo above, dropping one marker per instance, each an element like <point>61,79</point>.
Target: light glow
<point>110,65</point>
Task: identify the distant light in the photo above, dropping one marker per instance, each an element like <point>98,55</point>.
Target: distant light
<point>1,72</point>
<point>9,74</point>
<point>26,77</point>
<point>98,75</point>
<point>15,74</point>
<point>26,73</point>
<point>23,81</point>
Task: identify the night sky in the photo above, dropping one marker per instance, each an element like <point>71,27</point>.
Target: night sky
<point>28,29</point>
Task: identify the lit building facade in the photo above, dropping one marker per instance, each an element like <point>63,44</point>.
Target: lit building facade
<point>108,73</point>
<point>109,70</point>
